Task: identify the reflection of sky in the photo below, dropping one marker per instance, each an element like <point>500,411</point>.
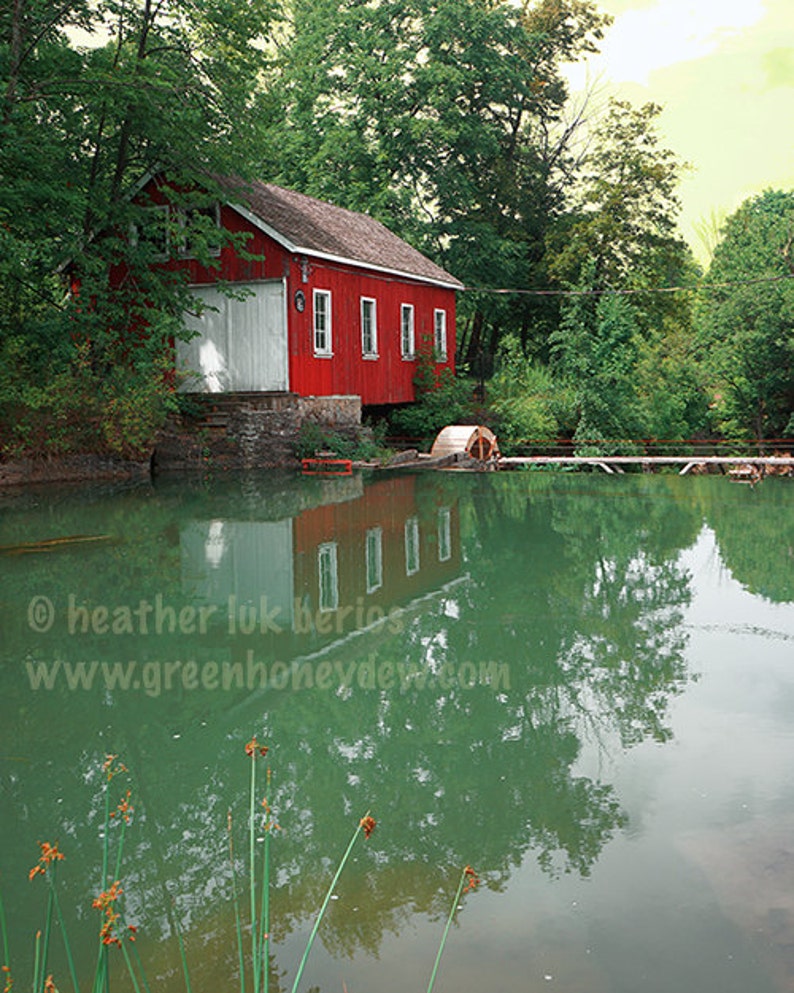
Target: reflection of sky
<point>733,726</point>
<point>701,883</point>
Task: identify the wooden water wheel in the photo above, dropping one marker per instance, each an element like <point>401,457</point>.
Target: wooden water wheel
<point>474,440</point>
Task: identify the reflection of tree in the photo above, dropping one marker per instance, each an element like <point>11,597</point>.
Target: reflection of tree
<point>572,586</point>
<point>627,605</point>
<point>609,579</point>
<point>755,532</point>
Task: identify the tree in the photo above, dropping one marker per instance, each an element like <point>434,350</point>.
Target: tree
<point>444,118</point>
<point>624,210</point>
<point>595,352</point>
<point>161,86</point>
<point>527,401</point>
<point>746,319</point>
<point>619,252</point>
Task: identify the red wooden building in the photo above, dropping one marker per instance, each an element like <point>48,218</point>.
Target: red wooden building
<point>332,302</point>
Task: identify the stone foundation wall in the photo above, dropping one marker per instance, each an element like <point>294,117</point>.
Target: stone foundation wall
<point>331,412</point>
<point>265,437</point>
<point>249,431</point>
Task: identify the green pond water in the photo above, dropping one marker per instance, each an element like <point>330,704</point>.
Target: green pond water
<point>582,686</point>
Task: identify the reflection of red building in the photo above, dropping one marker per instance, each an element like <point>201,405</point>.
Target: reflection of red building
<point>328,572</point>
<point>362,559</point>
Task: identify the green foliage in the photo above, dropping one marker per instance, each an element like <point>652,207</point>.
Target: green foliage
<point>79,410</point>
<point>626,353</point>
<point>626,384</point>
<point>133,412</point>
<point>746,320</point>
<point>625,208</point>
<point>365,445</point>
<point>529,404</point>
<point>595,353</point>
<point>441,398</point>
<point>447,120</point>
<point>670,391</point>
<point>160,88</point>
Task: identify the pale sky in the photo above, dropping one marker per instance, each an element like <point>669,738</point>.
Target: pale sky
<point>724,72</point>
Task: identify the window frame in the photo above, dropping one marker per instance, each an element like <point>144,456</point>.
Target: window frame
<point>326,349</point>
<point>373,550</point>
<point>369,304</point>
<point>444,534</point>
<point>413,561</point>
<point>327,577</point>
<point>408,310</point>
<point>440,340</point>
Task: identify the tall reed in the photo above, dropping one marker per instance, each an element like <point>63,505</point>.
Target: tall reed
<point>367,825</point>
<point>115,931</point>
<point>469,880</point>
<point>8,980</point>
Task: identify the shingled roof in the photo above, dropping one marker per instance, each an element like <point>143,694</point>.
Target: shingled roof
<point>312,227</point>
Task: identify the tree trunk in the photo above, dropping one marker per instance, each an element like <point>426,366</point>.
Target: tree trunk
<point>475,339</point>
<point>15,60</point>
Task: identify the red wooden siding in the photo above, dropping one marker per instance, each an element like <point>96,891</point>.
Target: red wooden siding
<point>385,379</point>
<point>272,261</point>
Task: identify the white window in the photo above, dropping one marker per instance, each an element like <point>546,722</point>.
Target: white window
<point>329,579</point>
<point>444,534</point>
<point>369,328</point>
<point>440,334</point>
<point>374,548</point>
<point>411,546</point>
<point>407,343</point>
<point>322,322</point>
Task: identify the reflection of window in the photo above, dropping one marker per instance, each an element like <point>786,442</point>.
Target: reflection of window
<point>444,534</point>
<point>374,548</point>
<point>411,546</point>
<point>329,580</point>
<point>369,328</point>
<point>215,545</point>
<point>407,330</point>
<point>322,322</point>
<point>440,334</point>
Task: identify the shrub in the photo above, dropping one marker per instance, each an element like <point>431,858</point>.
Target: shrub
<point>528,403</point>
<point>364,445</point>
<point>441,398</point>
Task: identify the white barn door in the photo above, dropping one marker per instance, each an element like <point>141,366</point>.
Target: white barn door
<point>240,344</point>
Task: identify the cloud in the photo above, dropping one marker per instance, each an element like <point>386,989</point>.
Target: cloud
<point>648,38</point>
<point>778,64</point>
<point>722,72</point>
